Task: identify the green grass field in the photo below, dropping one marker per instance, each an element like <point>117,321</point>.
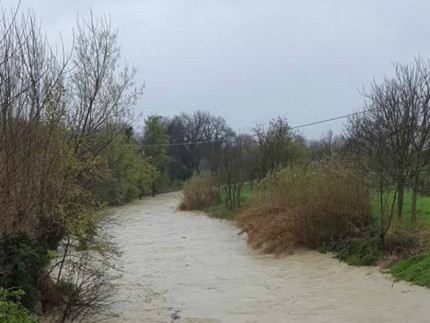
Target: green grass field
<point>221,211</point>
<point>423,207</point>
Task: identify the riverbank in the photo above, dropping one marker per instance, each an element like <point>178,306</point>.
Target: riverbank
<point>186,267</point>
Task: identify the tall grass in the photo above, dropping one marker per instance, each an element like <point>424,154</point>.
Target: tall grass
<point>199,192</point>
<point>311,205</point>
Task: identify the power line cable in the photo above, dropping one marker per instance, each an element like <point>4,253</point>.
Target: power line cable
<point>184,143</point>
<point>333,119</point>
<point>293,128</point>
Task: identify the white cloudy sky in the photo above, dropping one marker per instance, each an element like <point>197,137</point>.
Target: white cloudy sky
<point>252,60</point>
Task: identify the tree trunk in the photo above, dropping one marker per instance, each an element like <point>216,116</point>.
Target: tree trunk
<point>414,206</point>
<point>382,214</point>
<point>400,192</point>
<point>63,260</point>
<point>153,190</point>
<point>414,199</point>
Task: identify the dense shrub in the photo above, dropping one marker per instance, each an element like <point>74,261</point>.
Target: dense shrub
<point>369,249</point>
<point>128,175</point>
<point>314,205</point>
<point>11,310</point>
<point>199,192</point>
<point>361,251</point>
<point>23,261</point>
<point>403,243</point>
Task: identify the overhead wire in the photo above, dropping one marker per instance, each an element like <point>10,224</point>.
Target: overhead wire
<point>293,128</point>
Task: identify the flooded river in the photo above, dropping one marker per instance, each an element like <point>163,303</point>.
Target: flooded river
<point>187,267</point>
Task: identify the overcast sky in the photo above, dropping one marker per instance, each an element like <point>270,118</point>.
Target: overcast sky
<point>252,60</point>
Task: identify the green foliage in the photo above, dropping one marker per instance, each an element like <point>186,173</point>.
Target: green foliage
<point>361,251</point>
<point>219,209</point>
<point>23,261</point>
<point>175,185</point>
<point>131,175</point>
<point>65,288</point>
<point>199,192</point>
<point>155,150</point>
<point>276,146</point>
<point>11,310</point>
<point>54,156</point>
<point>415,269</point>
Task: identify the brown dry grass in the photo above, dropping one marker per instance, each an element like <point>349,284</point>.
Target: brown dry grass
<point>312,205</point>
<point>199,192</point>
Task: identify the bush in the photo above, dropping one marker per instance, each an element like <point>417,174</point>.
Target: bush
<point>199,192</point>
<point>402,243</point>
<point>361,251</point>
<point>314,205</point>
<point>11,310</point>
<point>23,261</point>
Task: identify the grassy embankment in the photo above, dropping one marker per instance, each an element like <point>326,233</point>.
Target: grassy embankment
<point>415,268</point>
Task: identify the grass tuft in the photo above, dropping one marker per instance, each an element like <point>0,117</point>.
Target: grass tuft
<point>415,269</point>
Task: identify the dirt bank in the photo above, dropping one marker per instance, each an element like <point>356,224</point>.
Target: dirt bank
<point>184,267</point>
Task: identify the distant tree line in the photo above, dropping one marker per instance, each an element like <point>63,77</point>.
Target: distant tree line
<point>190,143</point>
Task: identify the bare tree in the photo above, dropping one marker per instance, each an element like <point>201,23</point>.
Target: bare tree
<point>231,172</point>
<point>415,80</point>
<point>100,95</point>
<point>398,112</point>
<point>205,134</point>
<point>31,100</point>
<point>275,146</point>
<point>391,110</point>
<point>366,144</point>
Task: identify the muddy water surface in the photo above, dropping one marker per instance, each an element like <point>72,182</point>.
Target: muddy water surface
<point>186,267</point>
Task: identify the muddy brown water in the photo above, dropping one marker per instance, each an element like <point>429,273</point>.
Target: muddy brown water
<point>187,267</point>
